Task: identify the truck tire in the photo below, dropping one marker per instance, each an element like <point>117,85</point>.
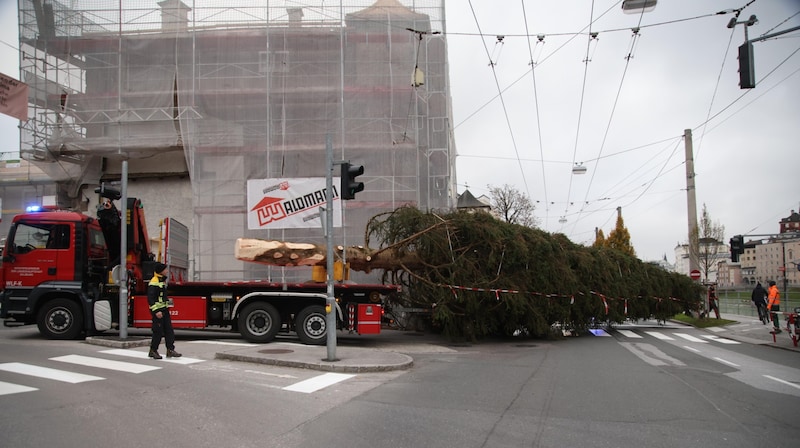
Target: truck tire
<point>259,322</point>
<point>311,325</point>
<point>60,319</point>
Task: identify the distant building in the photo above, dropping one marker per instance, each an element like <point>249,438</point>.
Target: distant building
<point>716,251</point>
<point>791,223</point>
<point>467,201</point>
<point>663,264</point>
<point>198,99</point>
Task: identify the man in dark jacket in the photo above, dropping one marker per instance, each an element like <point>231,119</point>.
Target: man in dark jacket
<point>759,298</point>
<point>159,309</point>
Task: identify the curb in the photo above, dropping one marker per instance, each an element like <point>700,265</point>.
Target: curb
<point>116,342</point>
<point>322,365</point>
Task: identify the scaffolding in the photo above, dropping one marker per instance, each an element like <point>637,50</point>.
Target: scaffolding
<point>238,90</point>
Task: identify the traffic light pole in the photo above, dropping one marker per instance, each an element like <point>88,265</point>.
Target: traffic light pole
<point>330,301</point>
<point>349,187</point>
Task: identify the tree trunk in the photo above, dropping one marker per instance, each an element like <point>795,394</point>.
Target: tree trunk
<point>283,253</point>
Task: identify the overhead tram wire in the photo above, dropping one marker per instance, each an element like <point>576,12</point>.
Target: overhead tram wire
<point>709,118</point>
<point>650,184</point>
<point>761,94</point>
<point>714,95</point>
<point>572,35</point>
<point>536,104</point>
<point>610,194</point>
<point>586,61</point>
<point>634,38</point>
<point>746,92</point>
<point>502,102</point>
<point>592,36</point>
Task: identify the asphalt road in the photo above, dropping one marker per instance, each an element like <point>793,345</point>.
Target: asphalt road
<point>630,387</point>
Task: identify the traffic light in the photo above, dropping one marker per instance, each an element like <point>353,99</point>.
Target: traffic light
<point>737,247</point>
<point>350,186</point>
<point>747,74</point>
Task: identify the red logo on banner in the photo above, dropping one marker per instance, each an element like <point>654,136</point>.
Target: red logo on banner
<point>268,210</point>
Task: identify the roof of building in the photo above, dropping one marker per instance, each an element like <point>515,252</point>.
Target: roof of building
<point>793,217</point>
<point>468,200</point>
<point>383,8</point>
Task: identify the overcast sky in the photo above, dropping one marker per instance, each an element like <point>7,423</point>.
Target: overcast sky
<point>618,105</point>
<point>623,113</point>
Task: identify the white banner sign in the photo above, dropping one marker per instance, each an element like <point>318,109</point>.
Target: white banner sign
<point>290,203</point>
<point>13,97</point>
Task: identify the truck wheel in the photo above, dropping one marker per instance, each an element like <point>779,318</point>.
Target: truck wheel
<point>259,322</point>
<point>311,325</point>
<point>60,319</point>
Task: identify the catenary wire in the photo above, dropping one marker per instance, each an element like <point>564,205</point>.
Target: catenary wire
<point>536,110</point>
<point>503,104</point>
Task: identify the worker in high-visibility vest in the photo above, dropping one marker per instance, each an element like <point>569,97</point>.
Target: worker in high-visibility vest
<point>159,309</point>
<point>774,305</point>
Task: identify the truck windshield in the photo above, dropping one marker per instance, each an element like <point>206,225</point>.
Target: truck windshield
<point>28,237</point>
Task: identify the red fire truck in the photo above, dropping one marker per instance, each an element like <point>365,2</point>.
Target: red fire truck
<point>58,270</point>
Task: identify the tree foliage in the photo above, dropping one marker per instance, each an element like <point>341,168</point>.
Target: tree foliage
<point>512,206</point>
<point>620,238</point>
<point>482,276</point>
<point>599,239</point>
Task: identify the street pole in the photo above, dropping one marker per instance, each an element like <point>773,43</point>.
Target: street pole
<point>785,277</point>
<point>123,255</point>
<point>330,301</point>
<point>691,200</point>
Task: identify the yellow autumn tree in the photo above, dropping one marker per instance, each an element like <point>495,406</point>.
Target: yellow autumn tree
<point>620,238</point>
<point>599,238</point>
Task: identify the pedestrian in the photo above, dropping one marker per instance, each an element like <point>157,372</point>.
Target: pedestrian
<point>759,299</point>
<point>774,305</point>
<point>713,304</point>
<point>159,309</point>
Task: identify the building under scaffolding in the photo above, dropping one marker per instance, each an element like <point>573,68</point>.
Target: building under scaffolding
<point>224,91</point>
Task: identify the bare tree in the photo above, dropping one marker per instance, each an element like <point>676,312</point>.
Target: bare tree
<point>512,206</point>
<point>706,243</point>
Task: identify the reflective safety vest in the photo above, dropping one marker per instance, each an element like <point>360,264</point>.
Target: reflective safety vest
<point>774,297</point>
<point>161,301</point>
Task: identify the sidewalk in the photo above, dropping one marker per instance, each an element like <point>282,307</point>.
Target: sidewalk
<point>390,350</point>
<point>750,330</point>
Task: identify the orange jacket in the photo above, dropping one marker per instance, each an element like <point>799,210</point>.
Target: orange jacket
<point>774,297</point>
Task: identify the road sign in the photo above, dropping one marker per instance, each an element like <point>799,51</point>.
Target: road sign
<point>695,274</point>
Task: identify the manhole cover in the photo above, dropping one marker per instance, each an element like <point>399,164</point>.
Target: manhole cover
<point>276,351</point>
<point>526,345</point>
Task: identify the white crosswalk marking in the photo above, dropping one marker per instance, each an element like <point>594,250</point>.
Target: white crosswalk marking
<point>658,335</point>
<point>144,355</point>
<point>690,338</point>
<point>9,388</point>
<point>105,364</point>
<point>47,373</point>
<point>716,338</point>
<point>318,382</point>
<point>629,334</point>
<point>88,361</point>
<point>703,338</point>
